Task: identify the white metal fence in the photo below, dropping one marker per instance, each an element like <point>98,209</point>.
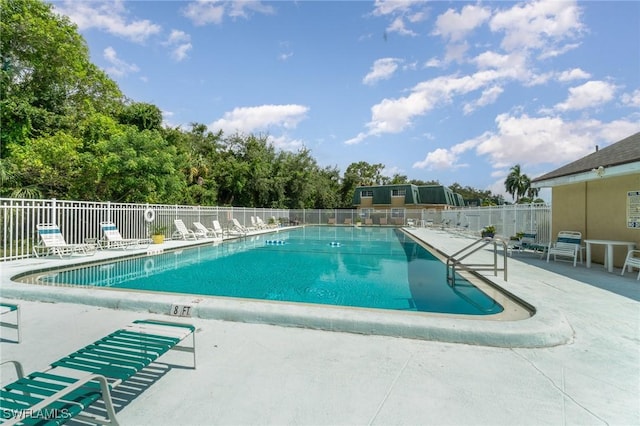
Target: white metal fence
<point>509,220</point>
<point>79,221</point>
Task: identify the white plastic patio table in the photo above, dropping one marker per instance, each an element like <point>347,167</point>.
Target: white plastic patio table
<point>608,255</point>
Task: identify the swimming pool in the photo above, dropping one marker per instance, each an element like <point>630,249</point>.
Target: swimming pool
<point>379,268</point>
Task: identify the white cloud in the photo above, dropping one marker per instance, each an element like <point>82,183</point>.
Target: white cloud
<point>632,99</point>
<point>488,97</point>
<point>433,63</point>
<point>391,7</point>
<point>356,140</point>
<point>109,16</point>
<point>400,10</point>
<point>180,44</point>
<point>242,8</point>
<point>284,143</point>
<point>439,159</point>
<point>394,115</point>
<point>514,63</point>
<point>547,140</point>
<point>455,26</point>
<point>591,94</point>
<point>118,67</point>
<point>573,74</point>
<point>203,12</point>
<point>456,52</point>
<point>553,52</point>
<point>532,141</point>
<point>382,69</point>
<point>541,24</point>
<point>446,159</point>
<point>250,119</point>
<point>397,26</point>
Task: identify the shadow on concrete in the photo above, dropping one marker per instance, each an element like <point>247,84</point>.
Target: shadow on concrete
<point>625,285</point>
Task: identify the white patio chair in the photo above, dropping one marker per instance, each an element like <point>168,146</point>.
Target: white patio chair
<point>632,261</point>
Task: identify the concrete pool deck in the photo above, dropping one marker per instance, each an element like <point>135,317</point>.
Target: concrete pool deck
<point>263,374</point>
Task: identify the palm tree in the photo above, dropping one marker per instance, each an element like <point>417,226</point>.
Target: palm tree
<point>533,192</point>
<point>517,184</point>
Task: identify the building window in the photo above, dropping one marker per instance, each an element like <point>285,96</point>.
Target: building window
<point>366,193</point>
<point>398,192</point>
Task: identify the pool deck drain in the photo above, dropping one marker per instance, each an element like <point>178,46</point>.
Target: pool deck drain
<point>255,373</point>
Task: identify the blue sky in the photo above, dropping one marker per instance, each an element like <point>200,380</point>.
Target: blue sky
<point>450,91</point>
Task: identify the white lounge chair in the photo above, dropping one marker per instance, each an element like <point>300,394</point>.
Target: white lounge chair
<point>236,226</point>
<point>262,224</point>
<point>217,228</point>
<point>52,242</point>
<point>568,244</point>
<point>254,223</point>
<point>113,239</point>
<point>203,230</point>
<point>632,261</point>
<point>182,232</point>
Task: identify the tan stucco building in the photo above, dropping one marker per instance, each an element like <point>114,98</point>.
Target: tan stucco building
<point>599,195</point>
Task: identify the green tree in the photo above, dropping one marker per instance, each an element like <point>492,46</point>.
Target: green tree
<point>326,188</point>
<point>140,166</point>
<point>51,164</point>
<point>142,115</point>
<point>517,183</point>
<point>47,82</point>
<point>359,174</point>
<point>398,179</point>
<point>298,173</point>
<point>199,149</point>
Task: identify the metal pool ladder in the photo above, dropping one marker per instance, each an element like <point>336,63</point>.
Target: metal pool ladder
<point>455,260</point>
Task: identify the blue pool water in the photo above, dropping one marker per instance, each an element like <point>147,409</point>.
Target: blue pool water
<point>348,266</point>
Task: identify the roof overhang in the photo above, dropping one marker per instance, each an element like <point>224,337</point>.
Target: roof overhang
<point>590,175</point>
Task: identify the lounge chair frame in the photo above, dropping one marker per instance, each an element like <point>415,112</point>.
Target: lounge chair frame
<point>8,308</point>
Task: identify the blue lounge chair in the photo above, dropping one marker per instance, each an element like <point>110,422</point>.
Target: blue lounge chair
<point>70,385</point>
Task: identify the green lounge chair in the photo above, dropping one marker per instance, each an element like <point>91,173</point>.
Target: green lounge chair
<point>70,385</point>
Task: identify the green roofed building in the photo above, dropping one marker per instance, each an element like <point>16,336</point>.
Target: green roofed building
<point>410,196</point>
